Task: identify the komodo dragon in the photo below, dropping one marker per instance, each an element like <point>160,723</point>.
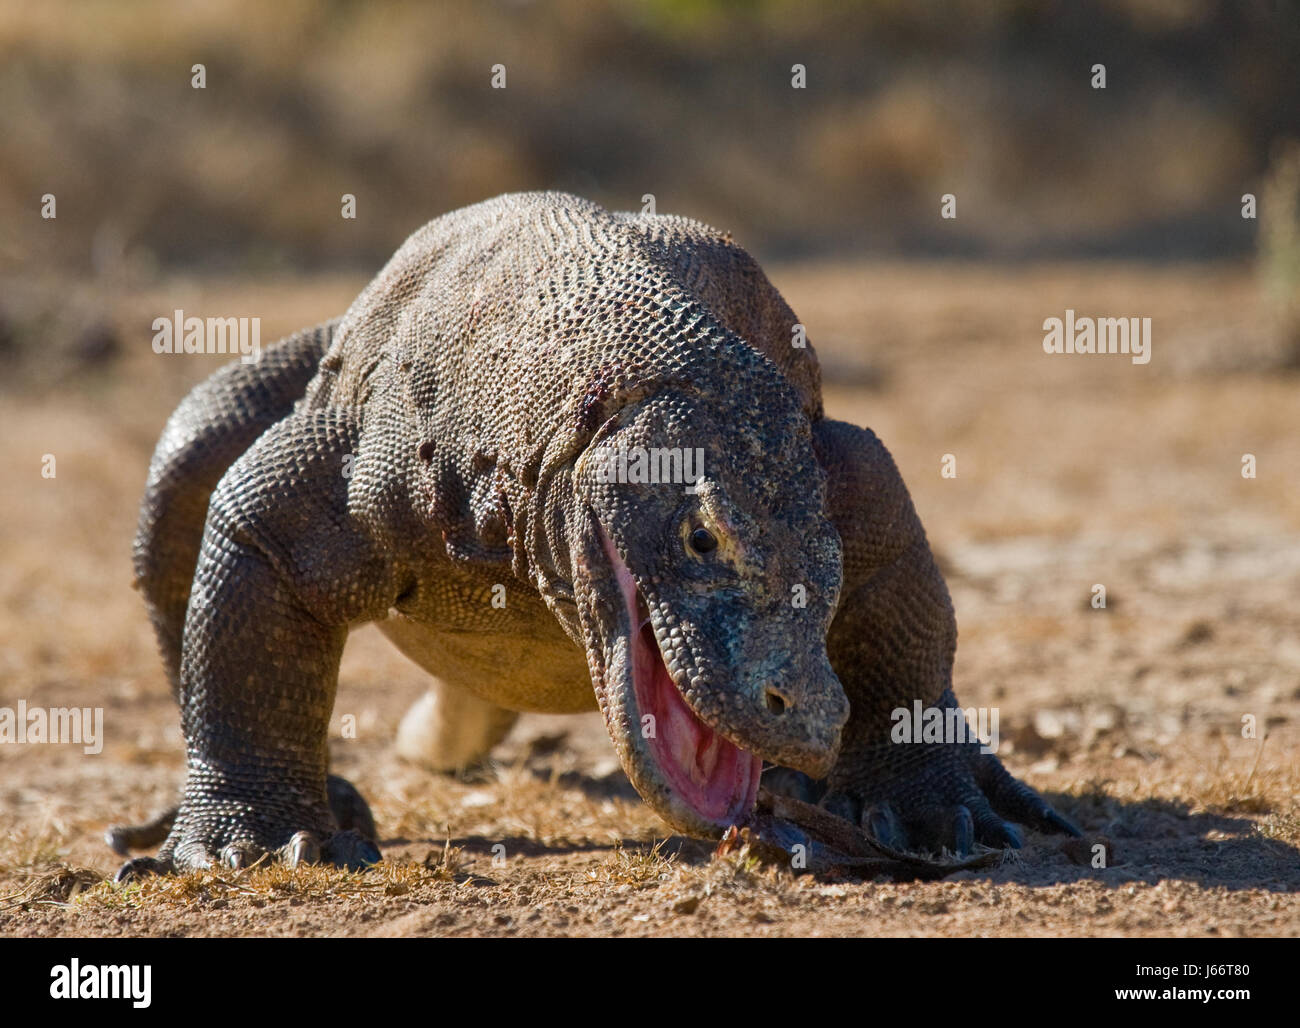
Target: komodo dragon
<point>446,459</point>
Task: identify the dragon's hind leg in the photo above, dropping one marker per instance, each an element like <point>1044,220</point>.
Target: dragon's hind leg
<point>451,730</point>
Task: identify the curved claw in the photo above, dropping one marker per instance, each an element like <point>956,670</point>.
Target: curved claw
<point>141,867</point>
<point>883,825</point>
<point>1017,801</point>
<point>1060,824</point>
<point>939,826</point>
<point>990,829</point>
<point>240,855</point>
<point>303,848</point>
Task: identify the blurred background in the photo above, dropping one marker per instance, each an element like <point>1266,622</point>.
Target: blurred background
<point>1072,471</point>
<point>689,99</point>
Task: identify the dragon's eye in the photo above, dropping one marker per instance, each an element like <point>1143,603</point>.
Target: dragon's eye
<point>703,541</point>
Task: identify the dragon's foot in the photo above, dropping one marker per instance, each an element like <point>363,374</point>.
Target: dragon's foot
<point>212,829</point>
<point>929,797</point>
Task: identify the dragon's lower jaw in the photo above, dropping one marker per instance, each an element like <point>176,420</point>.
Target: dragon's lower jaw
<point>714,777</point>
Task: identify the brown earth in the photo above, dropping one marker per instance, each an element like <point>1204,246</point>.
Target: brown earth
<point>1071,471</point>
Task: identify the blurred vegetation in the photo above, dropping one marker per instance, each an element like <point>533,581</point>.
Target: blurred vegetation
<point>690,100</point>
<point>1280,245</point>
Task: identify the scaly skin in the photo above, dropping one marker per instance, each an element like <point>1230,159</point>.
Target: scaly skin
<point>440,448</point>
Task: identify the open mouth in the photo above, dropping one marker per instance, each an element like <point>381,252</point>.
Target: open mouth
<point>712,776</point>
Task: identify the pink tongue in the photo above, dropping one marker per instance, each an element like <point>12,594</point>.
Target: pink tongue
<point>714,776</point>
<point>717,779</point>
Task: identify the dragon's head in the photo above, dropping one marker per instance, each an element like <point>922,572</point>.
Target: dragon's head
<point>706,574</point>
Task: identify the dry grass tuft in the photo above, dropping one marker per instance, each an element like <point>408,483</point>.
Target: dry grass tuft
<point>636,868</point>
<point>58,885</point>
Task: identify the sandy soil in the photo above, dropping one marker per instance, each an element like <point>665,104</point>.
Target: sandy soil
<point>1071,471</point>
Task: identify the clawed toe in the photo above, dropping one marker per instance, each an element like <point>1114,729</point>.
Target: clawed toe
<point>957,799</point>
<point>351,850</point>
<point>141,867</point>
<point>882,824</point>
<point>241,855</point>
<point>1054,822</point>
<point>348,849</point>
<point>303,848</point>
<point>1016,800</point>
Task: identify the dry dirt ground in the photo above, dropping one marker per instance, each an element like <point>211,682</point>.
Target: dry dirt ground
<point>1072,471</point>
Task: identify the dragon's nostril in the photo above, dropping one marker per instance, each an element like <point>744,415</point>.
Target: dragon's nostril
<point>775,701</point>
